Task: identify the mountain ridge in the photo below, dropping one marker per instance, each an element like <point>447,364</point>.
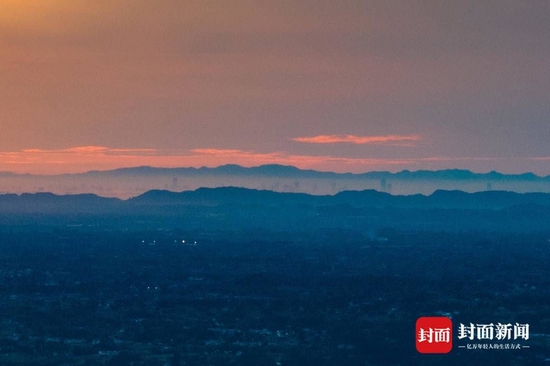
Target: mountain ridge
<point>278,170</point>
<point>239,196</point>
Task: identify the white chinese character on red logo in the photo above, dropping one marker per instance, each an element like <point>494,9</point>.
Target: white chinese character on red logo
<point>424,336</point>
<point>442,335</point>
<point>436,335</point>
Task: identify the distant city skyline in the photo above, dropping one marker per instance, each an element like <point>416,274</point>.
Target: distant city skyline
<point>350,86</point>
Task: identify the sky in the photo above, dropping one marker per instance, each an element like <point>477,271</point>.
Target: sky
<point>347,86</point>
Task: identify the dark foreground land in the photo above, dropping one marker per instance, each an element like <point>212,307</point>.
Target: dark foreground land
<point>92,296</point>
<point>231,276</point>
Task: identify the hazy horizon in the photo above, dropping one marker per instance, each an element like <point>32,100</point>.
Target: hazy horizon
<point>129,182</point>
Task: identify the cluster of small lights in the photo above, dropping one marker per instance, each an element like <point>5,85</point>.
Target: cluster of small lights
<point>184,242</point>
<point>175,241</point>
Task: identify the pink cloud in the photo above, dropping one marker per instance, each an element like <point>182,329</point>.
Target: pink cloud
<point>394,140</point>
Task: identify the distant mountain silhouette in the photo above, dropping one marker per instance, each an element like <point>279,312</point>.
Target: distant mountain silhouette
<point>456,174</point>
<point>275,170</point>
<point>270,170</point>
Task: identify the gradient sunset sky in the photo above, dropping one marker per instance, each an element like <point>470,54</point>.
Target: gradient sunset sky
<point>329,85</point>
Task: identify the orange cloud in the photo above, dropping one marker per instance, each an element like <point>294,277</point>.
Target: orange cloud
<point>98,150</point>
<point>394,140</point>
<point>74,159</point>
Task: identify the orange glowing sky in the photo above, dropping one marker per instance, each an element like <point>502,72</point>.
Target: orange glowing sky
<point>343,86</point>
